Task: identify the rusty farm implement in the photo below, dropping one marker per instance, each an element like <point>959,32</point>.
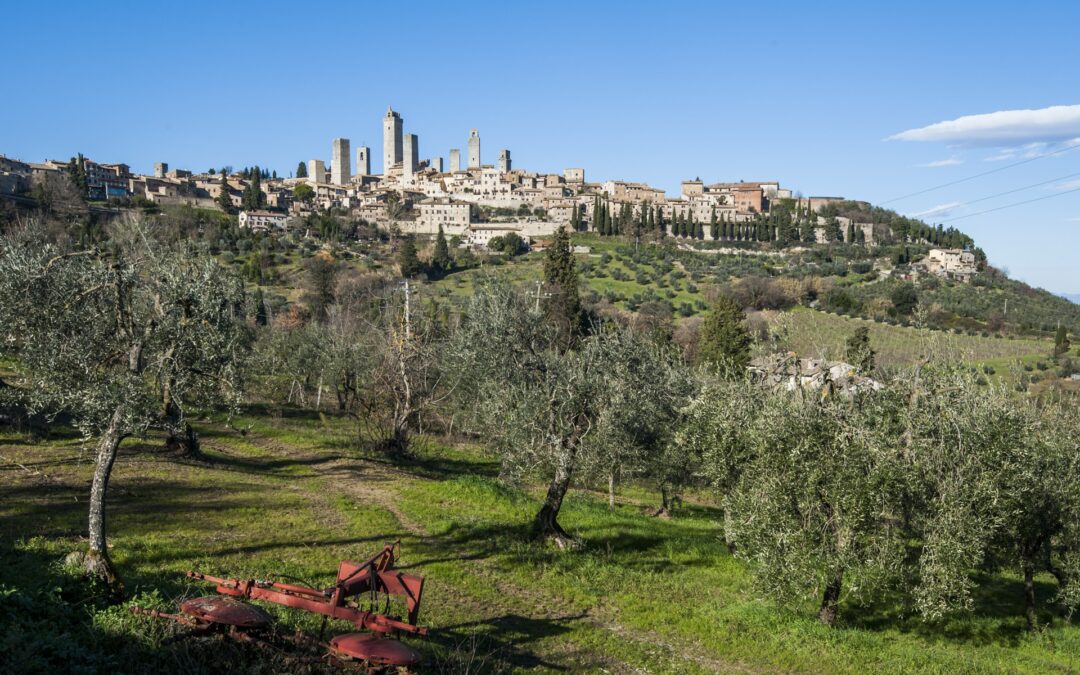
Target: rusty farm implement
<point>356,596</point>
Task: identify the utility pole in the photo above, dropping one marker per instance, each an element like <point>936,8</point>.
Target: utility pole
<point>539,285</point>
<point>408,317</point>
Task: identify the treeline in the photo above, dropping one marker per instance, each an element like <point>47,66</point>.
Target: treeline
<point>914,492</point>
<point>903,228</point>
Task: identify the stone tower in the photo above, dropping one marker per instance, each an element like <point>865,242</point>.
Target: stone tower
<point>316,171</point>
<point>411,157</point>
<point>504,161</point>
<point>363,161</point>
<point>160,169</point>
<point>474,149</point>
<point>391,140</point>
<point>340,167</point>
<point>436,163</point>
<point>455,160</point>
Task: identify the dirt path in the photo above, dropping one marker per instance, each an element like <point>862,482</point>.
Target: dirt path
<point>368,482</point>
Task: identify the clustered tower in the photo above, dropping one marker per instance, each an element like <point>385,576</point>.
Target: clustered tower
<point>316,171</point>
<point>411,156</point>
<point>340,170</point>
<point>363,161</point>
<point>392,142</point>
<point>474,149</point>
<point>401,153</point>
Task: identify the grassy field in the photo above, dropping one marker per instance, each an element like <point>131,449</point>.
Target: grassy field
<point>290,497</point>
<point>818,334</point>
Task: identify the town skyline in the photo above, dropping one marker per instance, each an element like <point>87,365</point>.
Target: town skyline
<point>823,136</point>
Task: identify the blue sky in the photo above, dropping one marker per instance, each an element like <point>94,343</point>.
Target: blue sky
<point>807,95</point>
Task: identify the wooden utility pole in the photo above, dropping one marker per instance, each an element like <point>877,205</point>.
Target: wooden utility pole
<point>408,317</point>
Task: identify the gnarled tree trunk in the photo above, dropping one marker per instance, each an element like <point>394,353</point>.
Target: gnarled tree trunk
<point>97,560</point>
<point>729,541</point>
<point>546,524</point>
<point>1029,551</point>
<point>830,599</point>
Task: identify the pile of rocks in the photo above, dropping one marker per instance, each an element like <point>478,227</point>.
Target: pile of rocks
<point>788,372</point>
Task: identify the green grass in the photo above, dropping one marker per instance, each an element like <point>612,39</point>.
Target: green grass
<point>291,497</point>
<point>817,334</point>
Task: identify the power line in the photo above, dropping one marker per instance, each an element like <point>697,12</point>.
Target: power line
<point>980,175</point>
<point>1020,189</point>
<point>1009,206</point>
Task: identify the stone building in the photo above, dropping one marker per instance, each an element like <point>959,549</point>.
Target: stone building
<point>160,169</point>
<point>410,156</point>
<point>474,149</point>
<point>455,160</point>
<point>363,161</point>
<point>316,171</point>
<point>262,221</point>
<point>504,161</point>
<point>480,235</point>
<point>950,262</point>
<point>392,141</point>
<point>340,170</point>
<point>454,217</point>
<point>574,175</point>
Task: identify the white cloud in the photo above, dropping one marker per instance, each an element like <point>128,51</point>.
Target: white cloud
<point>1068,185</point>
<point>939,210</point>
<point>952,161</point>
<point>1002,128</point>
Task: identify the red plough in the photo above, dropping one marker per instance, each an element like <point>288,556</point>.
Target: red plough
<point>355,581</point>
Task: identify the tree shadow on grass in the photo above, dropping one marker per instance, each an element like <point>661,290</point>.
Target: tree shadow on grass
<point>434,467</point>
<point>501,642</point>
<point>997,617</point>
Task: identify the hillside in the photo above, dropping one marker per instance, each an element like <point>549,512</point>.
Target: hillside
<point>290,498</point>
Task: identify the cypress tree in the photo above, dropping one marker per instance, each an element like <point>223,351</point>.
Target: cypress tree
<point>407,260</point>
<point>699,230</point>
<point>563,305</point>
<point>224,198</point>
<point>440,259</point>
<point>259,303</point>
<point>301,170</point>
<point>714,226</point>
<point>1061,342</point>
<point>724,339</point>
<point>858,351</point>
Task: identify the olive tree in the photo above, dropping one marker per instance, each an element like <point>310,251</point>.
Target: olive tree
<point>644,389</point>
<point>549,409</point>
<point>999,490</point>
<point>712,438</point>
<point>817,510</point>
<point>121,339</point>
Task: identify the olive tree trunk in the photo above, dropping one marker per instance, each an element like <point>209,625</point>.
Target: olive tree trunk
<point>97,561</point>
<point>1029,551</point>
<point>830,599</point>
<point>546,525</point>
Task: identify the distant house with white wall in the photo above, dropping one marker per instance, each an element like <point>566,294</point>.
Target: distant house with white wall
<point>953,263</point>
<point>263,221</point>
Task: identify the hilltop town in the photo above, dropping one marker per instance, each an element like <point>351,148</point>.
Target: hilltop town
<point>477,202</point>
